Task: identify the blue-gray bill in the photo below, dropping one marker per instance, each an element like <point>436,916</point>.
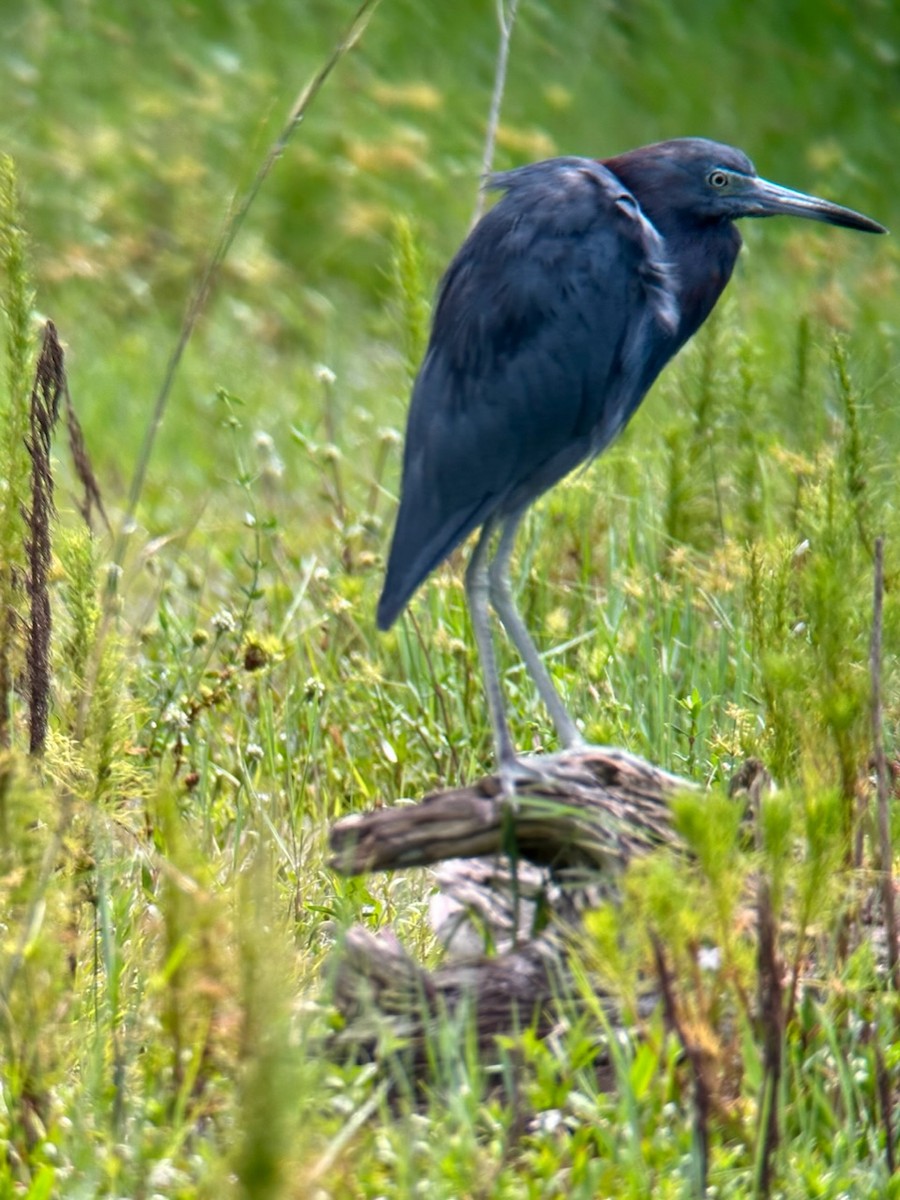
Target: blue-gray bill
<point>766,199</point>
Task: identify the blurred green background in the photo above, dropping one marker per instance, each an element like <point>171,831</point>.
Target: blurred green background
<point>132,126</point>
<point>703,592</point>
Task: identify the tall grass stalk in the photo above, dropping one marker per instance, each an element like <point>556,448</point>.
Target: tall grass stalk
<point>411,293</point>
<point>506,21</point>
<point>16,302</point>
<point>231,227</point>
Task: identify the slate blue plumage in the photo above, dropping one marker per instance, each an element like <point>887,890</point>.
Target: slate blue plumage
<point>551,323</point>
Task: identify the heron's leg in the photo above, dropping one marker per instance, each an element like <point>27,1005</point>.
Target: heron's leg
<point>477,593</point>
<point>505,606</point>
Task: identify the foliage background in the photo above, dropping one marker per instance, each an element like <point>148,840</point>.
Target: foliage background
<point>132,130</point>
<point>709,582</point>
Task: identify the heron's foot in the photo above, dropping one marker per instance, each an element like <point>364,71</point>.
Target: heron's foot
<point>569,734</point>
<point>518,773</point>
<point>579,765</point>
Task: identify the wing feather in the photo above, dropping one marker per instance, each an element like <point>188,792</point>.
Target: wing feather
<point>545,338</point>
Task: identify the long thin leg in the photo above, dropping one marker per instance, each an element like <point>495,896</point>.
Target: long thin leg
<point>477,593</point>
<point>502,599</point>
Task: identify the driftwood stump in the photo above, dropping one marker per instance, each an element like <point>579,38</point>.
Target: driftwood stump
<point>594,807</point>
<point>516,872</point>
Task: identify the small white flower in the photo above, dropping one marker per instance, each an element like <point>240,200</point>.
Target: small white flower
<point>709,958</point>
<point>272,465</point>
<point>174,714</point>
<point>223,621</point>
<point>164,1174</point>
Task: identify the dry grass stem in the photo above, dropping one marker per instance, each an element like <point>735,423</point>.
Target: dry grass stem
<point>49,384</point>
<point>506,19</point>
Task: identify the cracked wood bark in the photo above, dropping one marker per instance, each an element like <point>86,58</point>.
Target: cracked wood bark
<point>582,817</point>
<point>592,808</point>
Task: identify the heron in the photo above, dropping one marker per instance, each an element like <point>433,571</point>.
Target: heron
<point>552,321</point>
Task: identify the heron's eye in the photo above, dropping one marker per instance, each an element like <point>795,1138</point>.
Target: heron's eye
<point>717,179</point>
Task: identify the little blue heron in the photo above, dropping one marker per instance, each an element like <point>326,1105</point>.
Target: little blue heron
<point>556,315</point>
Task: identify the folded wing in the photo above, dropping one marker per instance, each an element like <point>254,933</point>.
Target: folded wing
<point>551,323</point>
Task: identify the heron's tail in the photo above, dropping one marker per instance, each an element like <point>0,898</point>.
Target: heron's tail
<point>418,547</point>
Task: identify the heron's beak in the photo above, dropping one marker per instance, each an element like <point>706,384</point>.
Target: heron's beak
<point>766,199</point>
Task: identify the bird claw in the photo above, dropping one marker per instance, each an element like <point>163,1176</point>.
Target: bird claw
<point>518,773</point>
<point>514,773</point>
<point>577,766</point>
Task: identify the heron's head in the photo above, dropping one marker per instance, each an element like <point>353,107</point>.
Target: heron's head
<point>694,181</point>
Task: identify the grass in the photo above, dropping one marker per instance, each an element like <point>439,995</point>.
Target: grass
<point>168,916</point>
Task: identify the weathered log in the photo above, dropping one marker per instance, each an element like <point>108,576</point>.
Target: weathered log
<point>380,992</point>
<point>523,866</point>
<point>517,869</point>
<point>589,808</point>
